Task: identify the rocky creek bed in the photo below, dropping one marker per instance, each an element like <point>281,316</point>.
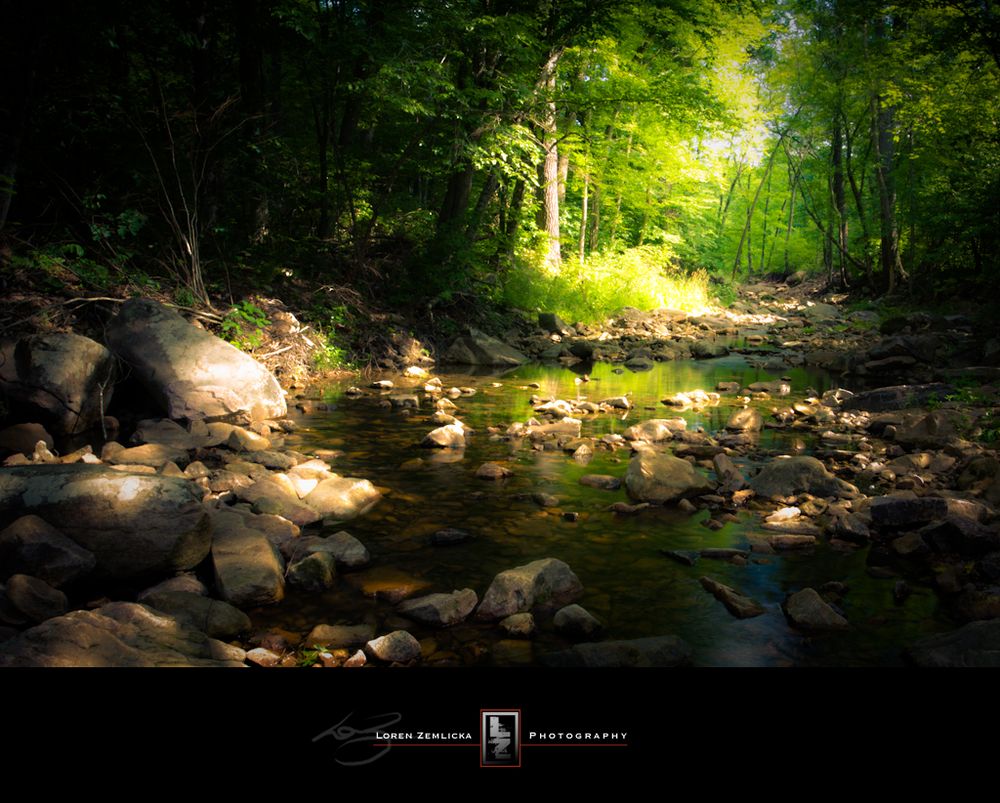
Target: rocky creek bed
<point>667,490</point>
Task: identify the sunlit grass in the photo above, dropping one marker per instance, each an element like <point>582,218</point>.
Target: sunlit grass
<point>640,277</point>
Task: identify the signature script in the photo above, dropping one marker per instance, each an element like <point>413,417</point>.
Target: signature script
<point>352,740</point>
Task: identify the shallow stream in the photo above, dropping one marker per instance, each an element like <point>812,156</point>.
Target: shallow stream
<point>629,584</point>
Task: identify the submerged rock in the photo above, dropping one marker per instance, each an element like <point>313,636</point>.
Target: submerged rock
<point>739,605</point>
<point>745,420</point>
<point>548,582</point>
<point>576,622</point>
<point>658,651</point>
<point>191,372</point>
<point>338,636</point>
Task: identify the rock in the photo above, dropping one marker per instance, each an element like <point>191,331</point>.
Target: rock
<point>548,582</point>
<point>440,610</point>
<point>243,440</point>
<point>961,535</point>
<point>639,364</point>
<point>729,475</point>
<point>617,402</point>
<point>35,598</point>
<point>189,371</point>
<point>493,471</point>
<point>396,647</point>
<point>249,571</point>
<point>338,636</point>
<point>723,553</point>
<point>347,550</point>
<point>686,557</point>
<point>576,622</point>
<point>933,430</point>
<point>745,420</point>
<point>314,573</point>
<point>655,430</point>
<point>603,481</point>
<point>186,583</point>
<point>910,544</point>
<point>23,438</point>
<point>740,606</point>
<point>67,380</point>
<point>342,498</point>
<point>31,546</point>
<point>118,634</point>
<point>568,426</point>
<point>583,349</point>
<point>451,436</point>
<point>795,475</point>
<point>519,625</point>
<point>706,349</point>
<point>478,348</point>
<point>807,610</point>
<point>211,616</point>
<point>416,372</point>
<point>776,388</point>
<point>897,397</point>
<point>791,541</point>
<point>132,523</point>
<point>658,651</point>
<point>150,454</point>
<point>263,657</point>
<point>276,495</point>
<point>356,660</point>
<point>975,644</point>
<point>553,324</point>
<point>821,312</point>
<point>449,536</point>
<point>663,478</point>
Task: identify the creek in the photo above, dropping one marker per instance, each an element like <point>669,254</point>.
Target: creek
<point>629,584</point>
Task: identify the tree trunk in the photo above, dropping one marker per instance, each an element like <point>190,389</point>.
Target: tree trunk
<point>884,150</point>
<point>583,218</point>
<point>839,200</point>
<point>550,167</point>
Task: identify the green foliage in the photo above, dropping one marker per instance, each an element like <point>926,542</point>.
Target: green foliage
<point>243,325</point>
<point>330,321</point>
<point>639,277</point>
<point>309,657</point>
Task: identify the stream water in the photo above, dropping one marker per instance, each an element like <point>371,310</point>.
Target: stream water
<point>629,584</point>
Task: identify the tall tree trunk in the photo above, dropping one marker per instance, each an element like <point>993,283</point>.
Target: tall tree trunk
<point>839,199</point>
<point>793,180</point>
<point>884,151</point>
<point>583,218</point>
<point>550,167</point>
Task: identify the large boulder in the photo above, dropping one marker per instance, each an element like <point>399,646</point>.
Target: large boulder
<point>189,371</point>
<point>132,523</point>
<point>478,348</point>
<point>67,379</point>
<point>116,634</point>
<point>806,609</point>
<point>211,616</point>
<point>547,582</point>
<point>795,475</point>
<point>656,429</point>
<point>663,478</point>
<point>897,397</point>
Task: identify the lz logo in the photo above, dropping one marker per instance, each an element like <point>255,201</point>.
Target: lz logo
<point>500,737</point>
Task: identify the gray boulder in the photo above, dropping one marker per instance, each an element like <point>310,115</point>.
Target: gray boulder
<point>478,348</point>
<point>547,582</point>
<point>31,546</point>
<point>553,324</point>
<point>191,372</point>
<point>66,378</point>
<point>117,634</point>
<point>314,573</point>
<point>346,550</point>
<point>706,349</point>
<point>450,436</point>
<point>795,475</point>
<point>663,478</point>
<point>132,523</point>
<point>658,651</point>
<point>440,610</point>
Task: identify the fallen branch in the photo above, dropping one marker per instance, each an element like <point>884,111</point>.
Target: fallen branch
<point>273,353</point>
<point>69,301</point>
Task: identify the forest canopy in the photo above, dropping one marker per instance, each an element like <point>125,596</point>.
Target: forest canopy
<point>569,155</point>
